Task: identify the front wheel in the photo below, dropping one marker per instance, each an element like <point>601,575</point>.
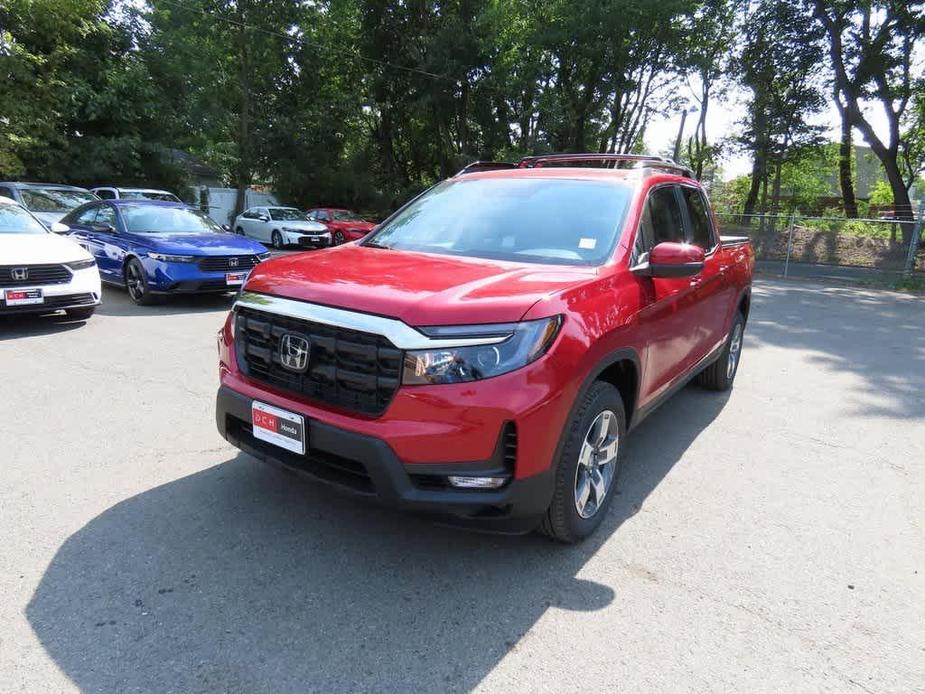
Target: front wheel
<point>136,281</point>
<point>339,238</point>
<point>720,374</point>
<point>239,231</point>
<point>277,240</point>
<point>588,465</point>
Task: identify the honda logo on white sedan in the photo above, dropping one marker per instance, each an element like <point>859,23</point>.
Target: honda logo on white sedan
<point>20,274</point>
<point>293,352</point>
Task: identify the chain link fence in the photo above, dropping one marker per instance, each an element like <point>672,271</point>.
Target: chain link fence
<point>813,245</point>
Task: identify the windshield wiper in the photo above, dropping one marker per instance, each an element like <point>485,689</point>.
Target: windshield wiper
<point>373,244</point>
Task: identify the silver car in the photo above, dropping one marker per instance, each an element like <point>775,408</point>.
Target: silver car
<point>281,227</point>
<point>49,202</point>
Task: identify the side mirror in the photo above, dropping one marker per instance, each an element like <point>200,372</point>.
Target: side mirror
<point>263,218</point>
<point>669,259</point>
<point>59,228</point>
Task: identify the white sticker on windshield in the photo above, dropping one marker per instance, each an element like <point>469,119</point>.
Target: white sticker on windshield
<point>587,244</point>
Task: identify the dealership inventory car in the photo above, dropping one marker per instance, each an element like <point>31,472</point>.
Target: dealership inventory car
<point>153,248</point>
<point>344,225</point>
<point>41,272</point>
<point>114,193</point>
<point>482,354</point>
<point>282,226</point>
<point>49,202</point>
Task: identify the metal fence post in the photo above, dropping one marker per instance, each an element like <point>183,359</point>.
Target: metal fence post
<point>915,240</point>
<point>793,216</point>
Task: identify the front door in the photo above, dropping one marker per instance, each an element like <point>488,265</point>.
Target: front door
<point>668,302</point>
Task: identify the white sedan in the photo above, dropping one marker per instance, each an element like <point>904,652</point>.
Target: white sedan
<point>281,227</point>
<point>41,272</point>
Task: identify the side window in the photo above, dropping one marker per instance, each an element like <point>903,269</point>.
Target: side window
<point>86,217</point>
<point>322,216</point>
<point>701,232</point>
<point>105,215</point>
<point>661,220</point>
<point>247,214</point>
<point>106,193</point>
<point>6,193</point>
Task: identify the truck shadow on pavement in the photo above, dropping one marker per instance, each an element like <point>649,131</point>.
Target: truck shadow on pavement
<point>244,578</point>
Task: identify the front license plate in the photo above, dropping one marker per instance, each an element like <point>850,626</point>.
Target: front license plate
<point>23,297</point>
<point>235,278</point>
<point>279,427</point>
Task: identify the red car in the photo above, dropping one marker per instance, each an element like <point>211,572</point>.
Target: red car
<point>344,225</point>
<point>483,354</point>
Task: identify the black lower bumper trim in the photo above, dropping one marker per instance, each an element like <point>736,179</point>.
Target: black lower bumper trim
<point>368,466</point>
<point>51,304</point>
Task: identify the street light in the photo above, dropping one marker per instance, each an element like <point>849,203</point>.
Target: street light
<point>677,143</point>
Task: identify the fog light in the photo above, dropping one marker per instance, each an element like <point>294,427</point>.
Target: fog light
<point>476,482</point>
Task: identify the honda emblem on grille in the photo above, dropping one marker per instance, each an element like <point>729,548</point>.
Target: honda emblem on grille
<point>232,262</point>
<point>20,273</point>
<point>293,352</point>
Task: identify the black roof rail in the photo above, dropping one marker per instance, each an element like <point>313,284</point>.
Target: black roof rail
<point>640,160</point>
<point>485,166</point>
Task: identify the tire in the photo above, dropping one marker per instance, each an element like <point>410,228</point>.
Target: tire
<point>239,231</point>
<point>339,238</point>
<point>721,373</point>
<point>80,313</point>
<point>136,282</point>
<point>277,240</point>
<point>567,519</point>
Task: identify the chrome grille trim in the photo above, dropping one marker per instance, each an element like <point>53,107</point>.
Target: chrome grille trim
<point>400,334</point>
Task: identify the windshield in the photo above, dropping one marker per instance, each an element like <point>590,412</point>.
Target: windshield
<point>347,216</point>
<point>148,195</point>
<point>286,214</point>
<point>153,219</point>
<point>538,220</point>
<point>54,199</point>
<point>15,220</point>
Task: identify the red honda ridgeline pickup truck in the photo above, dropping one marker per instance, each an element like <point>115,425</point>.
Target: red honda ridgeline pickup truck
<point>482,354</point>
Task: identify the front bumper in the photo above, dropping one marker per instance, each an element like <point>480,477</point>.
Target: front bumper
<point>188,278</point>
<point>308,240</point>
<point>82,291</point>
<point>367,465</point>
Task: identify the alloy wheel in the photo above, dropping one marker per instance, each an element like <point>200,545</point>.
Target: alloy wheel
<point>735,350</point>
<point>135,282</point>
<point>597,463</point>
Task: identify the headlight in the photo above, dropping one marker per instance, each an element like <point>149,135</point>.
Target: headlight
<point>164,258</point>
<point>81,264</point>
<point>529,341</point>
<point>263,256</point>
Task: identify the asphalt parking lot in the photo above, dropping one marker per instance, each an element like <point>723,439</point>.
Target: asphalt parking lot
<point>769,540</point>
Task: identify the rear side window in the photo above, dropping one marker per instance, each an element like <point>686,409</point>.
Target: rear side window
<point>106,194</point>
<point>661,220</point>
<point>701,228</point>
<point>6,193</point>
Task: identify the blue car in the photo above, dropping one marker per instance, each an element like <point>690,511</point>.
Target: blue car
<point>153,247</point>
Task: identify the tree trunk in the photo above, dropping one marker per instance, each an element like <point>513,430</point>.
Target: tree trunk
<point>244,170</point>
<point>844,168</point>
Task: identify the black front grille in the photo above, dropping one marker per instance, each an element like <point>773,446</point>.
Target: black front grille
<point>352,370</point>
<point>228,263</point>
<point>35,275</point>
<point>51,303</point>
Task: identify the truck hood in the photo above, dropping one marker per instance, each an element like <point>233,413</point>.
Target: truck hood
<point>419,289</point>
<point>206,243</point>
<point>31,249</point>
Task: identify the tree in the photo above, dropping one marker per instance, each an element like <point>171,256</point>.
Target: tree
<point>870,45</point>
<point>778,64</point>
